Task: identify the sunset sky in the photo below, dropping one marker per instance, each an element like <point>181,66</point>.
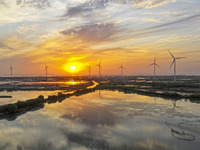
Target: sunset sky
<point>63,33</point>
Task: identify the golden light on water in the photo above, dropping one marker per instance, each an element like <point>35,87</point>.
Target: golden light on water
<point>73,67</point>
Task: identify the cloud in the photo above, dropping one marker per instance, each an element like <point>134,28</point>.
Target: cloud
<point>150,3</point>
<point>14,46</point>
<point>25,29</point>
<point>3,3</point>
<point>40,4</point>
<point>183,20</point>
<point>153,20</point>
<point>86,7</point>
<point>177,38</point>
<point>92,5</point>
<point>93,32</point>
<point>157,30</point>
<point>4,46</point>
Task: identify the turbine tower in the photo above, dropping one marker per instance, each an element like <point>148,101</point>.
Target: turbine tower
<point>89,69</point>
<point>46,69</point>
<point>122,68</point>
<point>154,66</point>
<point>174,62</point>
<point>11,70</point>
<point>99,65</point>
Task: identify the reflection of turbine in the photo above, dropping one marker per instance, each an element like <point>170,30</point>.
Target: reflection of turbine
<point>45,69</point>
<point>179,133</point>
<point>154,65</point>
<point>11,70</point>
<point>100,94</point>
<point>122,68</point>
<point>174,103</point>
<point>174,62</point>
<point>99,65</point>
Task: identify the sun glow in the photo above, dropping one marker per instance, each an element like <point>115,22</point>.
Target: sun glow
<point>73,67</point>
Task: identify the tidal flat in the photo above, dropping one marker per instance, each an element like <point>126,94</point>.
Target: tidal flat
<point>111,114</point>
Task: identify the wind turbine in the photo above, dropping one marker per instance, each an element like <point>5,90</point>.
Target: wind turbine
<point>174,62</point>
<point>122,68</point>
<point>154,66</point>
<point>99,65</point>
<point>46,69</point>
<point>11,70</point>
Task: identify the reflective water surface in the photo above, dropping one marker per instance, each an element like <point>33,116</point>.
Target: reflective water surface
<point>106,120</point>
<point>23,95</point>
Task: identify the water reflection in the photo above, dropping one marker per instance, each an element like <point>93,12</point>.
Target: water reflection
<point>24,95</point>
<point>179,133</point>
<point>100,94</point>
<point>72,82</point>
<point>116,121</point>
<point>174,104</point>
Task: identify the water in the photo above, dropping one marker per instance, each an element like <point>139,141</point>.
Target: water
<point>24,95</point>
<point>106,120</point>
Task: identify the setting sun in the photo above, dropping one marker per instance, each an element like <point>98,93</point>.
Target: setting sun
<point>73,67</point>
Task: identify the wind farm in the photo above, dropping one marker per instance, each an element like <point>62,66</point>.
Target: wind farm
<point>99,75</point>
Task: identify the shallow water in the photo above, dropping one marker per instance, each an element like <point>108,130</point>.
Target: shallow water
<point>24,95</point>
<point>106,120</point>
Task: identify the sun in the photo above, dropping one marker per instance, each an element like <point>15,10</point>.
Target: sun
<point>73,68</point>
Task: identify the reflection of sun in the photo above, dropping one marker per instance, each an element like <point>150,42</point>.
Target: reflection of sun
<point>73,67</point>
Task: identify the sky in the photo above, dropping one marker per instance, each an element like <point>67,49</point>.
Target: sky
<point>62,33</point>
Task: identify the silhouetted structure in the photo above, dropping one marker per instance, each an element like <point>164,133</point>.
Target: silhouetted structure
<point>154,64</point>
<point>11,70</point>
<point>174,62</point>
<point>99,65</point>
<point>122,68</point>
<point>46,69</point>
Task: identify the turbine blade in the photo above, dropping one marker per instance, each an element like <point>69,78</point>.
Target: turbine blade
<point>157,65</point>
<point>155,60</point>
<point>151,64</point>
<point>172,63</point>
<point>171,54</point>
<point>180,57</point>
